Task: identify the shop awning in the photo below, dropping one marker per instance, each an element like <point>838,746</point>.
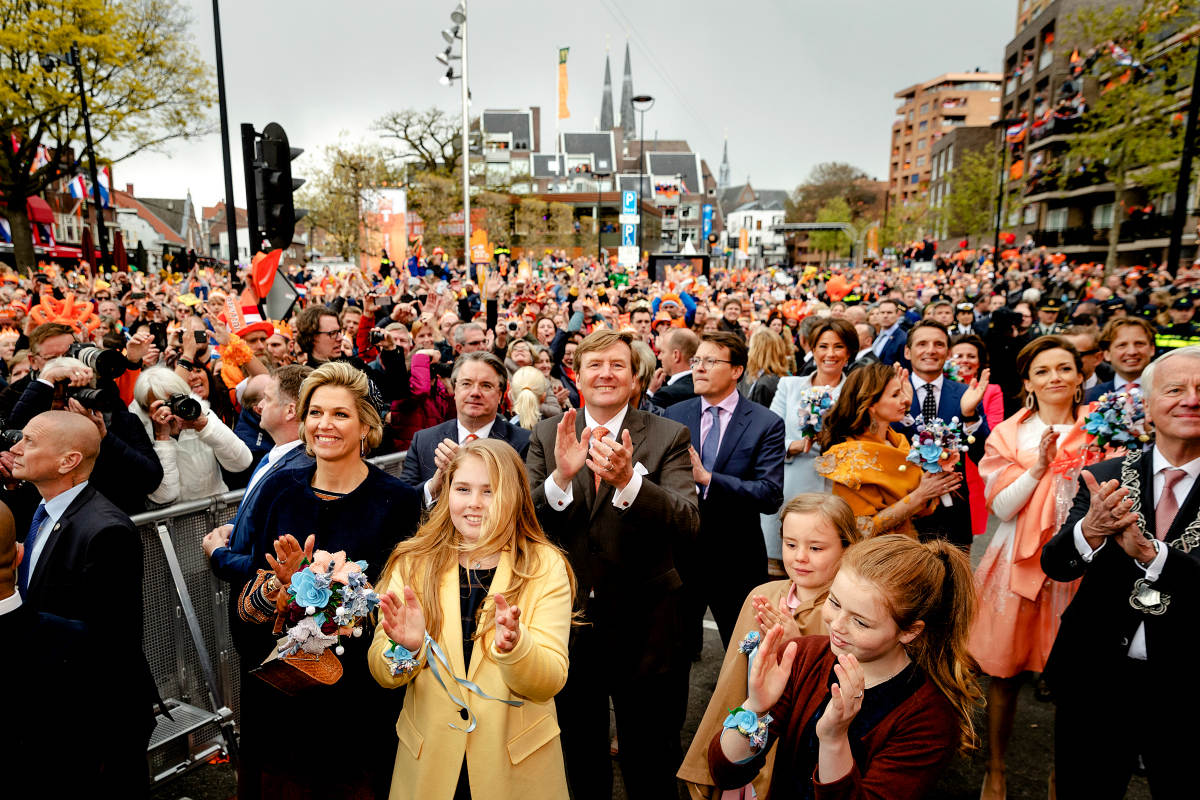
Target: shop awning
<point>39,211</point>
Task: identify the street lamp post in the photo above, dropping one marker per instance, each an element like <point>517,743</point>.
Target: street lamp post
<point>459,31</point>
<point>230,205</point>
<point>73,59</point>
<point>598,177</point>
<point>1001,124</point>
<point>641,103</point>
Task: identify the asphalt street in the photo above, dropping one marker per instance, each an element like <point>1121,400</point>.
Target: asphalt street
<point>1030,753</point>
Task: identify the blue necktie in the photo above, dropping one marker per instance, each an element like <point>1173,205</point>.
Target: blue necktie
<point>39,517</point>
<point>708,448</point>
<point>262,466</point>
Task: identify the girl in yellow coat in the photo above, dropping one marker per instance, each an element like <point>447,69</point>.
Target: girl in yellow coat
<point>474,619</point>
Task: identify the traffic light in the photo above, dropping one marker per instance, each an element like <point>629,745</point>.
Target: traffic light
<point>268,160</point>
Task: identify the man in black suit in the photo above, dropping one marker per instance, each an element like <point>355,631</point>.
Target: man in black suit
<point>81,549</point>
<point>38,664</point>
<point>889,343</point>
<point>46,342</point>
<point>678,346</point>
<point>927,349</point>
<point>1121,665</point>
<point>480,382</point>
<point>613,486</point>
<point>1128,344</point>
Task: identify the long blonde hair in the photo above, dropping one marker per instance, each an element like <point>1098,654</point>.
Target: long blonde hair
<point>528,390</point>
<point>768,354</point>
<point>929,582</point>
<point>510,523</point>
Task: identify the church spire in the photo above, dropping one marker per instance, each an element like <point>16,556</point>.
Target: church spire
<point>606,103</point>
<point>723,175</point>
<point>627,121</point>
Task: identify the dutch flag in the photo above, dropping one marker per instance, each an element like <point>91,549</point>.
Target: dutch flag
<point>78,187</point>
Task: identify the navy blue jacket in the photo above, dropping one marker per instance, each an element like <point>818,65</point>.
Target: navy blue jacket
<point>233,563</point>
<point>893,350</point>
<point>1097,390</point>
<point>747,480</point>
<point>950,522</point>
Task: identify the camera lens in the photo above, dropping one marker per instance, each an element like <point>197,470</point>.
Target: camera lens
<point>9,438</point>
<point>107,364</point>
<point>185,407</point>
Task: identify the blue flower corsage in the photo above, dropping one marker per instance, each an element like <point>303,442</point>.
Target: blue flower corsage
<point>750,643</point>
<point>399,659</point>
<point>750,725</point>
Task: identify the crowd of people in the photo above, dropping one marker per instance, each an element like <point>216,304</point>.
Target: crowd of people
<point>595,461</point>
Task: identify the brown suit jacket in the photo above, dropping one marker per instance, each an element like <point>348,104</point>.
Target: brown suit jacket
<point>624,559</point>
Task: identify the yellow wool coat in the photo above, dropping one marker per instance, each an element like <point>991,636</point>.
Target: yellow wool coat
<point>513,752</point>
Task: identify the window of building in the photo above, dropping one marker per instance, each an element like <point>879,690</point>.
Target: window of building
<point>920,161</point>
<point>922,126</point>
<point>925,108</point>
<point>1102,216</point>
<point>758,225</point>
<point>1029,216</point>
<point>1056,219</point>
<point>921,143</point>
<point>746,223</point>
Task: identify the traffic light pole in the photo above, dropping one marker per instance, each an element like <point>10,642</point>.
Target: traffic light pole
<point>466,149</point>
<point>249,159</point>
<point>101,231</point>
<point>230,205</point>
<point>1180,212</point>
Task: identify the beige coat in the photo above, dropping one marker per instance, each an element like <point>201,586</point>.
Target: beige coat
<point>731,691</point>
<point>513,752</point>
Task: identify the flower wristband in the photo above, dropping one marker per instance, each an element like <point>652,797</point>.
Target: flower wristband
<point>400,660</point>
<point>750,725</point>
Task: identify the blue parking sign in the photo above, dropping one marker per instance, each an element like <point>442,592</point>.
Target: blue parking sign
<point>628,202</point>
<point>628,235</point>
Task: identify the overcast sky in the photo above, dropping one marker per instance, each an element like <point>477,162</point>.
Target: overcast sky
<point>792,83</point>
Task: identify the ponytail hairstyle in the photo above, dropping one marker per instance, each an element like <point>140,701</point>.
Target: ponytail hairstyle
<point>929,582</point>
<point>527,390</point>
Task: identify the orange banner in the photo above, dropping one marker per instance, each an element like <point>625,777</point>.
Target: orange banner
<point>563,112</point>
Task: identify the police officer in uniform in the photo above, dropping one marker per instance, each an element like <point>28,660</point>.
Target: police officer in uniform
<point>1047,323</point>
<point>1183,330</point>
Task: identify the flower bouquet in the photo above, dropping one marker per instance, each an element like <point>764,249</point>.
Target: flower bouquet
<point>1117,419</point>
<point>327,599</point>
<point>951,370</point>
<point>936,445</point>
<point>814,403</point>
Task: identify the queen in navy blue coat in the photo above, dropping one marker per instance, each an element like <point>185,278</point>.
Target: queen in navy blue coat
<point>347,504</point>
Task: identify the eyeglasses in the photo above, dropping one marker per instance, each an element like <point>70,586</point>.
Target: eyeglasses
<point>708,362</point>
<point>333,333</point>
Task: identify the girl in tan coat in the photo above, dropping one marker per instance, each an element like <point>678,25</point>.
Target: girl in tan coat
<point>816,529</point>
<point>475,615</point>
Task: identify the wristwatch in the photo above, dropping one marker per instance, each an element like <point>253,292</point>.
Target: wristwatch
<point>1150,561</point>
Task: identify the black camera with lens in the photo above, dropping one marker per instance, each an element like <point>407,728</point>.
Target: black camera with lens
<point>377,336</point>
<point>106,364</point>
<point>184,406</point>
<point>9,438</point>
<point>442,369</point>
<point>512,326</point>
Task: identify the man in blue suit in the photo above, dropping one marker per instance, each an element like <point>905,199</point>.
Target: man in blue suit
<point>889,344</point>
<point>1128,344</point>
<point>737,463</point>
<point>480,382</point>
<point>227,546</point>
<point>936,396</point>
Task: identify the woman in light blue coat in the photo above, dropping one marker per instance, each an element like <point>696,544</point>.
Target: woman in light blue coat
<point>835,344</point>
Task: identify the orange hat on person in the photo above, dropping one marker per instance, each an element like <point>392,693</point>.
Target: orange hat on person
<point>282,328</point>
<point>670,297</point>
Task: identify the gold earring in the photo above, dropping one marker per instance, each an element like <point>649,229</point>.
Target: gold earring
<point>362,446</point>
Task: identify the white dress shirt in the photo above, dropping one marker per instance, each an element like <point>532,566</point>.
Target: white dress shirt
<point>1137,647</point>
<point>483,433</point>
<point>55,508</point>
<point>10,603</point>
<point>273,456</point>
<point>560,498</point>
<point>918,384</point>
<point>883,338</point>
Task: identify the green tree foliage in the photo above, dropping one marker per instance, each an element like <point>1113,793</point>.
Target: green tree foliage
<point>341,192</point>
<point>145,85</point>
<point>429,140</point>
<point>969,207</point>
<point>905,222</point>
<point>834,180</point>
<point>832,243</point>
<point>1132,130</point>
<point>434,197</point>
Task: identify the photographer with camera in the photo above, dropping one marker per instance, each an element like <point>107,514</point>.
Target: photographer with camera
<point>47,341</point>
<point>191,441</point>
<point>127,470</point>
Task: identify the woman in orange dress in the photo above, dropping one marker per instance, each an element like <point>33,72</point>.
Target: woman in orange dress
<point>866,460</point>
<point>1030,467</point>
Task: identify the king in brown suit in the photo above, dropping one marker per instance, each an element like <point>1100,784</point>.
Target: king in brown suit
<point>614,488</point>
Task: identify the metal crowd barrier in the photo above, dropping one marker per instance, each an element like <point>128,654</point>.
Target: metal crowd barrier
<point>186,633</point>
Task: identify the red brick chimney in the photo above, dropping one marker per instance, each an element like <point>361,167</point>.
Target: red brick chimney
<point>129,189</point>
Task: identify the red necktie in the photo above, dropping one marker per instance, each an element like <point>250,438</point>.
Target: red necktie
<point>1168,507</point>
<point>470,438</point>
<point>597,435</point>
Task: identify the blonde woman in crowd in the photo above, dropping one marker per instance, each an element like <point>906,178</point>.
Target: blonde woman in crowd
<point>528,389</point>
